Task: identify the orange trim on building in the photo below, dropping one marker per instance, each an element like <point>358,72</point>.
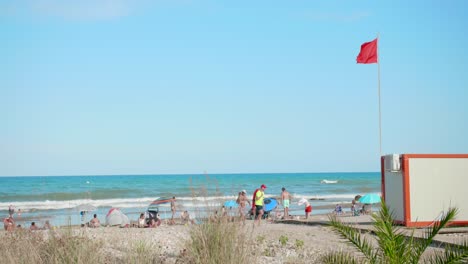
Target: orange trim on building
<point>382,171</point>
<point>406,190</point>
<point>427,223</point>
<point>437,156</point>
<point>405,169</point>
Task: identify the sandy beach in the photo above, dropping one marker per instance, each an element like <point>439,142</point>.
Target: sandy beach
<point>307,240</point>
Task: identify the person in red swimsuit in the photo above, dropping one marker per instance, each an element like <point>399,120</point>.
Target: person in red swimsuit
<point>308,207</point>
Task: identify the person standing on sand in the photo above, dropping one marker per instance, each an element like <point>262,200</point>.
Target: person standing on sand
<point>242,200</point>
<point>11,210</point>
<point>259,197</point>
<point>173,209</point>
<point>285,199</point>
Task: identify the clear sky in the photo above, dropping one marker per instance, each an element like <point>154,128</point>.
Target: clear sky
<point>156,87</point>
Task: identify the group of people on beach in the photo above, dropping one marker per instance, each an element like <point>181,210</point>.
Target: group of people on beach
<point>258,204</point>
<point>9,223</point>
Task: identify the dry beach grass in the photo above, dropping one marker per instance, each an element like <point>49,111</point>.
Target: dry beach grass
<point>271,242</point>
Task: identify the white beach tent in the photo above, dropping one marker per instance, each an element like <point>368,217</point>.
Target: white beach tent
<point>116,217</point>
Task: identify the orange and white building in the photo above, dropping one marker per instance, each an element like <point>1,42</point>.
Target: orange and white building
<point>419,188</point>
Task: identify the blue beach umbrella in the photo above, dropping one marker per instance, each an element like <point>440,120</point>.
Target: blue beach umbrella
<point>371,198</point>
<point>230,203</point>
<point>270,204</point>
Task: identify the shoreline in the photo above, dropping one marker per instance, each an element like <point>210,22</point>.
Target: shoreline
<point>200,213</point>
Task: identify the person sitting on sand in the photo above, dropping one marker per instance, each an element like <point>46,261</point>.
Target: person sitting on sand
<point>152,223</point>
<point>33,226</point>
<point>338,209</point>
<point>185,217</point>
<point>47,225</point>
<point>214,217</point>
<point>9,224</point>
<point>94,222</point>
<point>142,221</point>
<point>365,209</point>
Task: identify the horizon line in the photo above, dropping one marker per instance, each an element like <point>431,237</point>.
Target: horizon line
<point>184,174</point>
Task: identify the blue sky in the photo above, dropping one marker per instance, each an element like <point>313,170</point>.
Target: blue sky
<point>155,87</point>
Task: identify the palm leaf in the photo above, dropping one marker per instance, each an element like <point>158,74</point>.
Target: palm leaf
<point>452,254</point>
<point>392,242</point>
<point>430,233</point>
<point>339,258</point>
<point>354,237</point>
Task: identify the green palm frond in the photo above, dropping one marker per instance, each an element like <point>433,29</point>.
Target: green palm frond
<point>430,233</point>
<point>392,242</point>
<point>354,237</point>
<point>394,245</point>
<point>339,258</point>
<point>452,254</point>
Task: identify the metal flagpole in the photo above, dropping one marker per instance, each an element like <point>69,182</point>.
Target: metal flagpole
<point>380,113</point>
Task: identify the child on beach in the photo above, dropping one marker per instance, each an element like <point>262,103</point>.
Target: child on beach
<point>338,209</point>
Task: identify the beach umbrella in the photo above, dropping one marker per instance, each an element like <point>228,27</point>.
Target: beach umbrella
<point>357,197</point>
<point>230,203</point>
<point>370,198</point>
<point>154,204</point>
<point>161,201</point>
<point>85,208</point>
<point>270,204</point>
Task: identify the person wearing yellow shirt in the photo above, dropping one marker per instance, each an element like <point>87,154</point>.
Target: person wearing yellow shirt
<point>259,196</point>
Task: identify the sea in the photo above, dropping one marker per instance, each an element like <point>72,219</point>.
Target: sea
<point>57,198</point>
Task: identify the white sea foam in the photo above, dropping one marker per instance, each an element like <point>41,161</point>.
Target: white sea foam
<point>143,202</point>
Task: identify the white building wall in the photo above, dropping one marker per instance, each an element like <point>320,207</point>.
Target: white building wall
<point>437,184</point>
<point>394,194</point>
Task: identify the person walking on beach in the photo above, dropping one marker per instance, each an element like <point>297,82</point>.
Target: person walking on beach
<point>285,199</point>
<point>259,197</point>
<point>173,209</point>
<point>242,201</point>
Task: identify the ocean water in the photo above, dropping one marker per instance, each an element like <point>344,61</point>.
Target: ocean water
<point>54,198</point>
